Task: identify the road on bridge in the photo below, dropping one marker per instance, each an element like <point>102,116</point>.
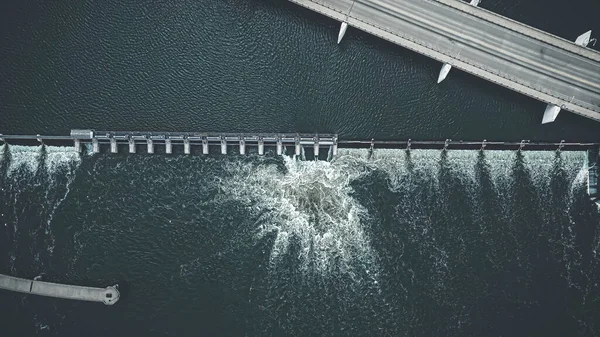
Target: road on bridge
<point>480,42</point>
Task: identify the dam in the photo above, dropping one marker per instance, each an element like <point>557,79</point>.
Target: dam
<point>564,74</point>
<point>109,295</point>
<point>315,146</point>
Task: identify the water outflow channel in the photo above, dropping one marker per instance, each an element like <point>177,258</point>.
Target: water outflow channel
<point>373,237</point>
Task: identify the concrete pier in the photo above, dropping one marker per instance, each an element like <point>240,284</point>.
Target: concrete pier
<point>186,146</point>
<point>150,144</point>
<point>466,37</point>
<point>131,145</point>
<point>204,146</point>
<point>77,145</point>
<point>113,145</point>
<point>95,146</point>
<point>297,147</point>
<point>261,146</point>
<point>242,147</point>
<point>223,145</point>
<point>168,146</point>
<point>335,146</point>
<point>279,147</point>
<point>109,295</point>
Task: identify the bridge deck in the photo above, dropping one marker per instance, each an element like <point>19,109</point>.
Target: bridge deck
<point>482,43</point>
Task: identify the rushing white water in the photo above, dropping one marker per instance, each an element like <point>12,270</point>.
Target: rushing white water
<point>28,190</point>
<point>25,158</point>
<point>311,203</point>
<point>2,151</point>
<point>58,160</point>
<point>60,157</point>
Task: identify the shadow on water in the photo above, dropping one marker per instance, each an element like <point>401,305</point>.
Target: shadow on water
<point>6,234</point>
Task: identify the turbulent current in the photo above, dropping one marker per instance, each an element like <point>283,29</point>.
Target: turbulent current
<point>389,242</point>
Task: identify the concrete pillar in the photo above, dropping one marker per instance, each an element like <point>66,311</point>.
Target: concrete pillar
<point>186,146</point>
<point>95,146</point>
<point>242,147</point>
<point>77,145</point>
<point>342,32</point>
<point>168,146</point>
<point>131,145</point>
<point>113,145</point>
<point>316,147</point>
<point>261,146</point>
<point>297,149</point>
<point>223,145</point>
<point>204,146</point>
<point>279,147</point>
<point>335,147</point>
<point>150,146</point>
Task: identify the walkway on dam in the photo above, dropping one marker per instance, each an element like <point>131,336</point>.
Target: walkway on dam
<point>108,295</point>
<point>521,58</point>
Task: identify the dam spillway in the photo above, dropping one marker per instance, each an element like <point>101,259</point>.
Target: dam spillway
<point>297,144</point>
<point>174,142</point>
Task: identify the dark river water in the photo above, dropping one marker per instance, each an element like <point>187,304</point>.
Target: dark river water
<point>419,243</point>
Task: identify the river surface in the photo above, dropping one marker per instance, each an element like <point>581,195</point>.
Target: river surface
<point>393,243</point>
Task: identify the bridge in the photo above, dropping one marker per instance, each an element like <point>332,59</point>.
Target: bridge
<point>561,73</point>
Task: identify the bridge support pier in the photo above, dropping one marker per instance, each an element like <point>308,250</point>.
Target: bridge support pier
<point>446,67</point>
<point>316,147</point>
<point>552,110</point>
<point>342,32</point>
<point>77,145</point>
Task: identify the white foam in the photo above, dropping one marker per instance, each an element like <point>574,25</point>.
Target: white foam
<point>60,163</point>
<point>60,157</point>
<point>89,149</point>
<point>310,203</point>
<point>25,158</point>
